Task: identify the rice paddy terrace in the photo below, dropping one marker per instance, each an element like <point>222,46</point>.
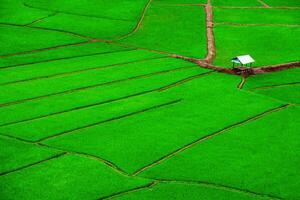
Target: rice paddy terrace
<point>137,99</point>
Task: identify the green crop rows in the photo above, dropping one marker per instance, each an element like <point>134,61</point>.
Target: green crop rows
<point>95,102</point>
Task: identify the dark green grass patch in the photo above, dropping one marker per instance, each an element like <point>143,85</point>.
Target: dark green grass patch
<point>181,1</point>
<point>290,3</point>
<point>190,191</point>
<point>90,78</point>
<point>41,128</point>
<point>92,96</point>
<point>60,53</point>
<point>67,177</point>
<point>257,16</point>
<point>88,26</point>
<point>261,156</point>
<point>126,10</point>
<point>236,3</point>
<point>136,141</point>
<point>267,45</point>
<point>77,64</point>
<point>12,39</point>
<point>13,11</point>
<point>15,154</point>
<point>273,79</point>
<point>287,93</point>
<point>174,29</point>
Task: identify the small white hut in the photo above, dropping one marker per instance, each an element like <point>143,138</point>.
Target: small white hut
<point>246,60</point>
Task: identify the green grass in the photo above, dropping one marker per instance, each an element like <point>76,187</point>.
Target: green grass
<point>270,79</point>
<point>91,96</point>
<point>291,3</point>
<point>67,177</point>
<point>94,95</point>
<point>181,1</point>
<point>287,93</point>
<point>40,128</point>
<point>276,44</point>
<point>100,28</point>
<point>191,191</point>
<point>76,64</point>
<point>21,14</point>
<point>60,53</point>
<point>260,156</point>
<point>12,40</point>
<point>90,78</point>
<point>126,10</point>
<point>174,29</point>
<point>15,154</point>
<point>257,16</point>
<point>189,117</point>
<point>82,118</point>
<point>236,3</point>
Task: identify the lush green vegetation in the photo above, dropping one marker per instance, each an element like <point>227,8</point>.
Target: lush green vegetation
<point>273,79</point>
<point>141,130</point>
<point>266,44</point>
<point>174,29</point>
<point>191,191</point>
<point>67,177</point>
<point>240,3</point>
<point>287,93</point>
<point>12,40</point>
<point>16,154</point>
<point>94,104</point>
<point>60,53</point>
<point>257,16</point>
<point>291,3</point>
<point>259,156</point>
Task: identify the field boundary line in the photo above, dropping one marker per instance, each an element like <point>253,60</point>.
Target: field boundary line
<point>138,25</point>
<point>125,45</point>
<point>264,3</point>
<point>65,152</point>
<point>159,89</point>
<point>79,108</point>
<point>185,80</point>
<point>111,165</point>
<point>87,38</point>
<point>65,58</point>
<point>80,71</point>
<point>183,4</point>
<point>259,7</point>
<point>197,183</point>
<point>217,186</point>
<point>80,15</point>
<point>208,136</point>
<point>152,184</point>
<point>41,19</point>
<point>238,24</point>
<point>242,83</point>
<point>274,86</point>
<point>158,106</point>
<point>44,49</point>
<point>33,164</point>
<point>94,86</point>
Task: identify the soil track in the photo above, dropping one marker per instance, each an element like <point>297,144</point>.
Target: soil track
<point>211,52</point>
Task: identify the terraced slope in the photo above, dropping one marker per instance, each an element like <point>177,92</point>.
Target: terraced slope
<point>136,99</point>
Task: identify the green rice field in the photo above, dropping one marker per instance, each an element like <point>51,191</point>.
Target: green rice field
<point>96,102</point>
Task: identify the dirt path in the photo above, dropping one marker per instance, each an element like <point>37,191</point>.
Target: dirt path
<point>264,4</point>
<point>211,48</point>
<point>205,63</point>
<point>211,53</point>
<point>139,22</point>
